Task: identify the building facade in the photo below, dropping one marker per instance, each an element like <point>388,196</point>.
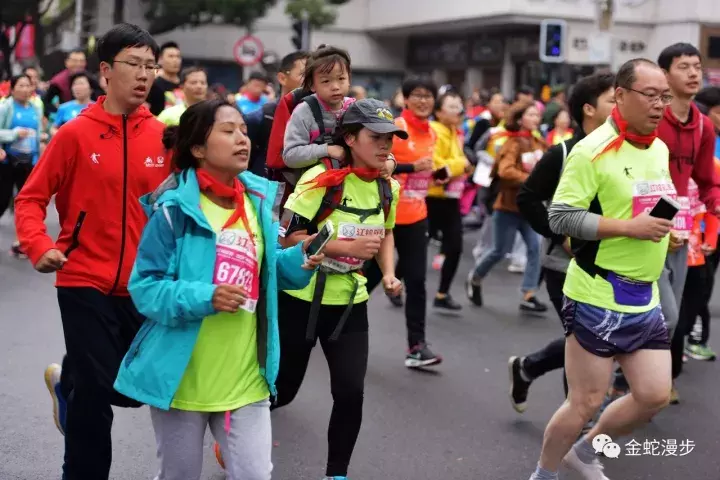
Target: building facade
<point>471,44</point>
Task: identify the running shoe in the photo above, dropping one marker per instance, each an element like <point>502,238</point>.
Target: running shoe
<point>674,396</point>
<point>588,471</point>
<point>421,356</point>
<point>52,381</point>
<point>16,251</point>
<point>396,300</point>
<point>447,303</point>
<point>518,385</point>
<point>516,268</point>
<point>218,455</point>
<point>700,352</point>
<point>532,304</point>
<point>473,288</point>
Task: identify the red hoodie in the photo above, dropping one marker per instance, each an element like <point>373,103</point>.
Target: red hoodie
<point>691,154</point>
<point>98,165</point>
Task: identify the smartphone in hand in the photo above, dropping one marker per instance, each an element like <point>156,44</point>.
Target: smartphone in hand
<point>321,240</point>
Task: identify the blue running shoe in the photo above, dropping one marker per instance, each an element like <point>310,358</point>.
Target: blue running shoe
<point>52,381</point>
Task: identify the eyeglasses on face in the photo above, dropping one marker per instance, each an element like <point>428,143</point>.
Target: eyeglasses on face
<point>149,68</point>
<point>653,98</point>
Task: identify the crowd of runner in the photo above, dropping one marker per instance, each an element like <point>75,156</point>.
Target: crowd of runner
<point>209,240</point>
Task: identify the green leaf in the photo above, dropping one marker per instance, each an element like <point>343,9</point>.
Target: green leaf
<point>320,12</point>
<point>166,15</point>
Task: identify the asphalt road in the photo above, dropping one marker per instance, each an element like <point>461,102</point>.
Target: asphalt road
<point>455,423</point>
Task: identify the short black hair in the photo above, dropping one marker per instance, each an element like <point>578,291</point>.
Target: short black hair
<point>626,74</point>
<point>75,50</point>
<point>323,60</point>
<point>122,36</point>
<point>413,83</point>
<point>524,90</point>
<point>707,98</point>
<point>587,91</point>
<point>258,76</point>
<point>16,78</point>
<point>189,71</point>
<point>676,50</point>
<point>77,75</point>
<point>167,45</point>
<point>288,61</point>
<point>194,128</point>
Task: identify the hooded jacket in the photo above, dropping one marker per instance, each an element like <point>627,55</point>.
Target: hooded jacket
<point>98,165</point>
<point>692,148</point>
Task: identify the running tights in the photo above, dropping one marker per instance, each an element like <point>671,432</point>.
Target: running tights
<point>444,216</point>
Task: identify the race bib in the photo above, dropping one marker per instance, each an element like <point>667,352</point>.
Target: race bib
<point>455,188</point>
<point>530,159</point>
<point>236,264</point>
<point>684,218</point>
<point>416,185</point>
<point>646,195</point>
<point>347,232</point>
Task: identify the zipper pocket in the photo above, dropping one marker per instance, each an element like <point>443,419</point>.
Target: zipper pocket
<point>137,342</point>
<point>75,239</point>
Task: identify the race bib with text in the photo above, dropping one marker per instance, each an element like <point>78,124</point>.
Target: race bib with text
<point>236,264</point>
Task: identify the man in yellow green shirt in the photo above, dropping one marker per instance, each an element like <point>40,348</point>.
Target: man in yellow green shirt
<point>194,84</point>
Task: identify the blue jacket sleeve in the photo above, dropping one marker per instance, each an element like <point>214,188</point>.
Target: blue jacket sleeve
<point>153,288</point>
<point>291,275</point>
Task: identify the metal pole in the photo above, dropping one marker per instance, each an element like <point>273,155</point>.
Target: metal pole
<point>606,14</point>
<point>306,31</point>
<point>78,22</point>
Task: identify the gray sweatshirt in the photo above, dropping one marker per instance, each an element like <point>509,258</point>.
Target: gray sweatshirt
<point>299,151</point>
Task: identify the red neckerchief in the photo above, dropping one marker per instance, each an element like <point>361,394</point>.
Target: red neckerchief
<point>421,124</point>
<point>518,134</point>
<point>335,177</point>
<point>252,98</point>
<point>623,135</point>
<point>237,193</point>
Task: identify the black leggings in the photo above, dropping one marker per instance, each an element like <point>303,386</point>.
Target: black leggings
<point>444,216</point>
<point>11,176</point>
<point>347,359</point>
<point>552,356</point>
<point>411,245</point>
<point>705,283</point>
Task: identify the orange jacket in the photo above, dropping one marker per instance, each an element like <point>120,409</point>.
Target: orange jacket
<point>420,144</point>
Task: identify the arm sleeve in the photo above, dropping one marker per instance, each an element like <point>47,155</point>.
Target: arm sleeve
<point>578,186</point>
<point>31,203</point>
<point>704,169</point>
<point>538,189</point>
<point>154,292</point>
<point>507,168</point>
<point>59,117</point>
<point>299,151</point>
<point>291,275</point>
<point>711,230</point>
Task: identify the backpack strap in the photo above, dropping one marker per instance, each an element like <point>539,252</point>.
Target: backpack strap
<point>386,198</point>
<point>317,112</point>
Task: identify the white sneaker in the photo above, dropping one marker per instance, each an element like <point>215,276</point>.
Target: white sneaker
<point>592,471</point>
<point>516,268</point>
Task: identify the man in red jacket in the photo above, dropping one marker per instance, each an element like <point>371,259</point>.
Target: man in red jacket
<point>690,136</point>
<point>98,165</point>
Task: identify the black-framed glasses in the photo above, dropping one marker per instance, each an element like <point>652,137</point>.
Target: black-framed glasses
<point>141,66</point>
<point>664,98</point>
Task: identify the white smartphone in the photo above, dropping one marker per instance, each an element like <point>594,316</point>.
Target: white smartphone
<point>321,240</point>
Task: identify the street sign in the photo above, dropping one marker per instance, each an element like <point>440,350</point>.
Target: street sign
<point>248,51</point>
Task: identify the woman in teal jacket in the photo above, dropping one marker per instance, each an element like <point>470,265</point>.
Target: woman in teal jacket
<point>207,276</point>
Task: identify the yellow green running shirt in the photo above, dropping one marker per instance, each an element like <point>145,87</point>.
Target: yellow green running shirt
<point>619,184</point>
<point>223,373</point>
<point>305,201</point>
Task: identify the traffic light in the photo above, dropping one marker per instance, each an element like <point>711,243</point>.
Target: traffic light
<point>301,34</point>
<point>552,41</point>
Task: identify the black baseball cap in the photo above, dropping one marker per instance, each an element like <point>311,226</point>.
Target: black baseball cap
<point>373,115</point>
